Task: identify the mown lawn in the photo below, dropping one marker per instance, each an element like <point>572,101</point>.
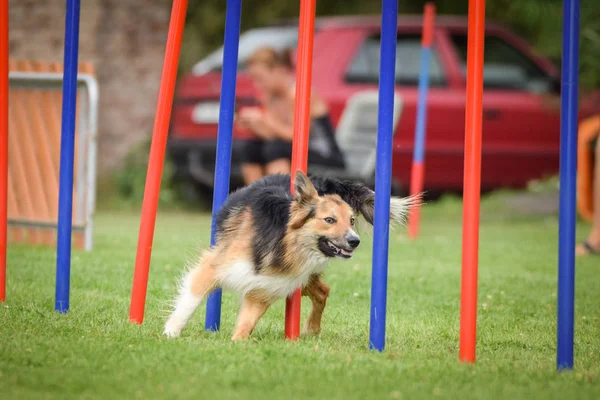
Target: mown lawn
<point>94,352</point>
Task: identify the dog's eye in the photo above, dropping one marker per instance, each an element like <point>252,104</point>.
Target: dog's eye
<point>352,221</point>
<point>330,220</point>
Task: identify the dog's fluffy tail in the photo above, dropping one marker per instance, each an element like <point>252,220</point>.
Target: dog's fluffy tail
<point>400,207</point>
<point>362,199</point>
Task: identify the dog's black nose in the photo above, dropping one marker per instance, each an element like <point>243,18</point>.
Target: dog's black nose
<point>353,241</point>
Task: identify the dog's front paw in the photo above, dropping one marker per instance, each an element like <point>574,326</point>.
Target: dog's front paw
<point>312,329</point>
<point>171,331</point>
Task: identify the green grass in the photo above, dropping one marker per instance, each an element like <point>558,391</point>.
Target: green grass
<point>94,352</point>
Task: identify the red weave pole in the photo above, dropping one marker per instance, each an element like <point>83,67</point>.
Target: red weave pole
<point>428,25</point>
<point>472,181</point>
<point>301,132</point>
<point>417,176</point>
<point>156,161</point>
<point>3,142</point>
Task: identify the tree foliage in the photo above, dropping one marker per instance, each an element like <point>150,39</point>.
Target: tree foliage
<point>538,21</point>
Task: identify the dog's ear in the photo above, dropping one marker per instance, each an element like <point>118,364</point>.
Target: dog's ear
<point>304,191</point>
<point>367,207</point>
<point>306,198</point>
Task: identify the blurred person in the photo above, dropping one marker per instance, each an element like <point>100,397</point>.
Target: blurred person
<point>592,243</point>
<point>272,125</point>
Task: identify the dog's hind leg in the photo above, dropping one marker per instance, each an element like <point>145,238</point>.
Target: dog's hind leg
<point>197,283</point>
<point>252,310</point>
<point>318,292</point>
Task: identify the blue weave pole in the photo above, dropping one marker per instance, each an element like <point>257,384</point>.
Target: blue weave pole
<point>568,179</point>
<point>67,154</point>
<point>420,133</point>
<point>224,140</point>
<point>383,175</point>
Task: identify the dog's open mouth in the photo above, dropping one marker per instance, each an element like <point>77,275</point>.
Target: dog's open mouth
<point>332,250</point>
<point>338,251</point>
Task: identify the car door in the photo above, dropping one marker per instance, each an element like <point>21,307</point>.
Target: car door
<point>521,114</point>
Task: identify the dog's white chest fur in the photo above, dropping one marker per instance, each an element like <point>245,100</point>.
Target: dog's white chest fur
<point>241,277</point>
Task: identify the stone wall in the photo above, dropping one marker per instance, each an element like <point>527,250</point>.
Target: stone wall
<point>124,39</point>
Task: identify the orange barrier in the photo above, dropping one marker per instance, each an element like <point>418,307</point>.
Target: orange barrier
<point>33,164</point>
<point>589,129</point>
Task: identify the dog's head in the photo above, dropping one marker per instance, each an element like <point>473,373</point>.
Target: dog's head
<point>326,222</point>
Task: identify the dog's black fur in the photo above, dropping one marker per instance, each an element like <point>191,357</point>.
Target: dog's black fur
<point>269,199</point>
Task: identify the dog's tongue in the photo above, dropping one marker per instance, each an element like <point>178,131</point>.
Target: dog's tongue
<point>345,252</point>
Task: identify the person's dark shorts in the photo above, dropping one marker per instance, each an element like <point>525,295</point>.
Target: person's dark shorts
<point>264,151</point>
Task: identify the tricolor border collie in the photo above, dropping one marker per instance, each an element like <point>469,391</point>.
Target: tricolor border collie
<point>270,242</point>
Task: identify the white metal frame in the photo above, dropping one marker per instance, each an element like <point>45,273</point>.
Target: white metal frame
<point>88,128</point>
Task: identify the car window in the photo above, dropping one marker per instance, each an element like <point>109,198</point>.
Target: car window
<point>364,68</point>
<point>279,38</point>
<point>504,66</point>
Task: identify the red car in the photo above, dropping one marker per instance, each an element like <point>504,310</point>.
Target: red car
<point>521,103</point>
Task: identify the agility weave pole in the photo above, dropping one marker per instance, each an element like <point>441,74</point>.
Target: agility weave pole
<point>224,140</point>
<point>568,188</point>
<point>472,180</point>
<point>3,143</point>
<point>67,157</point>
<point>156,161</point>
<point>418,165</point>
<point>306,29</point>
<point>383,173</point>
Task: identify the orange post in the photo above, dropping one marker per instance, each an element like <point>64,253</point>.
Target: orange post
<point>472,181</point>
<point>588,130</point>
<point>301,132</point>
<point>3,143</point>
<point>156,161</point>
